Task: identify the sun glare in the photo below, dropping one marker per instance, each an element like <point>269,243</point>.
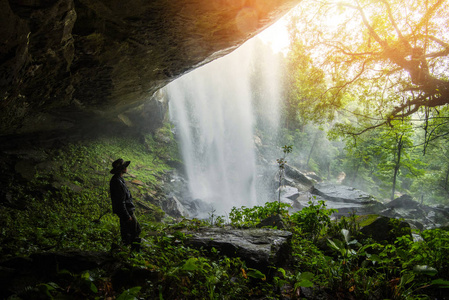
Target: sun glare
<point>276,36</point>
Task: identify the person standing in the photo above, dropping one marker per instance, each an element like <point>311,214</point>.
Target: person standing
<point>123,206</point>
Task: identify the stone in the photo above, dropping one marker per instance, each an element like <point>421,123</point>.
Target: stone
<point>298,176</point>
<point>382,228</point>
<point>347,200</point>
<point>273,221</point>
<point>290,195</point>
<point>174,208</point>
<point>259,248</point>
<point>420,216</point>
<point>342,193</point>
<point>403,201</point>
<point>76,67</point>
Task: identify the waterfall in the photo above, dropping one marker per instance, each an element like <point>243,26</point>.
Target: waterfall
<point>213,109</point>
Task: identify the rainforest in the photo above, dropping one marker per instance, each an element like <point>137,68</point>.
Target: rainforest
<point>319,171</point>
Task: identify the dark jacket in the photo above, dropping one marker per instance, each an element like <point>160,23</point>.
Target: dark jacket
<point>122,201</point>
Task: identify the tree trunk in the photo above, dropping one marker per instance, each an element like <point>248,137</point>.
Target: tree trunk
<point>356,171</point>
<point>446,180</point>
<point>315,139</point>
<point>396,167</point>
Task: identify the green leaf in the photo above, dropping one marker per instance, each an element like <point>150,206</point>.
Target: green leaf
<point>46,288</point>
<point>336,244</point>
<point>441,283</point>
<point>130,294</point>
<point>305,275</point>
<point>93,288</point>
<point>86,276</point>
<point>407,278</point>
<point>424,269</point>
<point>304,283</point>
<point>374,257</point>
<point>255,274</point>
<point>346,235</point>
<point>282,271</point>
<point>190,264</point>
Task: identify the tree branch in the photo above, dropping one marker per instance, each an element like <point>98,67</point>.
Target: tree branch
<point>429,13</point>
<point>395,26</point>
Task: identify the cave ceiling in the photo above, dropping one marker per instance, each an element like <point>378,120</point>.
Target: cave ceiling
<point>72,63</point>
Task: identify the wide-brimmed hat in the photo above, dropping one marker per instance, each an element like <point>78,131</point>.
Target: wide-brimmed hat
<point>119,165</point>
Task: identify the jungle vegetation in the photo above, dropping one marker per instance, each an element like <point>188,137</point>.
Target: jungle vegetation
<point>65,206</point>
<point>368,82</point>
<point>370,102</point>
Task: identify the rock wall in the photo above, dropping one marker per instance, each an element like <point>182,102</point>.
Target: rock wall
<point>71,64</point>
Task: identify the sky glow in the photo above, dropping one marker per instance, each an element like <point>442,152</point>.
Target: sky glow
<point>277,35</point>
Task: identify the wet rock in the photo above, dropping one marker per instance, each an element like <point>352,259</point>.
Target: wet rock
<point>197,208</point>
<point>290,195</point>
<point>419,215</point>
<point>259,248</point>
<point>72,65</point>
<point>273,221</point>
<point>298,176</point>
<point>174,208</point>
<point>403,201</point>
<point>347,200</point>
<point>342,193</point>
<point>289,192</point>
<point>382,228</point>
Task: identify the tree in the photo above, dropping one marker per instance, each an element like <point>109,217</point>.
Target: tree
<point>304,85</point>
<point>394,147</point>
<point>385,157</point>
<point>360,161</point>
<point>434,185</point>
<point>384,59</point>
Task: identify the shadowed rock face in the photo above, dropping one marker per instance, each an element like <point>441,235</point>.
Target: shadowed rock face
<point>260,248</point>
<point>64,63</point>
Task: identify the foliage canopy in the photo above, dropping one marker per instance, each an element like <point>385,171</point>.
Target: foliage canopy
<point>383,59</point>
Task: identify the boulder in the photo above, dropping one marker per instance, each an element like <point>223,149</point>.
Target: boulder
<point>420,215</point>
<point>298,176</point>
<point>342,193</point>
<point>260,248</point>
<point>273,221</point>
<point>290,195</point>
<point>382,228</point>
<point>174,208</point>
<point>197,208</point>
<point>347,200</point>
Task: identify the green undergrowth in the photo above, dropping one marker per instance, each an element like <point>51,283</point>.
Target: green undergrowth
<point>337,261</point>
<point>66,203</point>
<point>66,206</point>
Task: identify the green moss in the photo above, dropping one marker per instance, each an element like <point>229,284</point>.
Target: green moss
<point>67,203</point>
<point>366,220</point>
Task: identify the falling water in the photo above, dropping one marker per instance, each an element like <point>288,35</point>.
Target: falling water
<point>212,108</point>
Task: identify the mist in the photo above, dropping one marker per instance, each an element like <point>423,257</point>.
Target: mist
<point>216,110</point>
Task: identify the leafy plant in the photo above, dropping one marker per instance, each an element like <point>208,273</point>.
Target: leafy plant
<point>250,217</point>
<point>130,294</point>
<point>312,220</point>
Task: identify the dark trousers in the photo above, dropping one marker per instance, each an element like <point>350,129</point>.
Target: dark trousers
<point>130,231</point>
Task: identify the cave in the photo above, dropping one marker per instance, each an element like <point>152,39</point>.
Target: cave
<point>71,67</point>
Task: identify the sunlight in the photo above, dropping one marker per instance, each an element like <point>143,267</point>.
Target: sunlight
<point>277,35</point>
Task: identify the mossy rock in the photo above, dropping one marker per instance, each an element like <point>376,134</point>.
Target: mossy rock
<point>366,219</point>
<point>382,228</point>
